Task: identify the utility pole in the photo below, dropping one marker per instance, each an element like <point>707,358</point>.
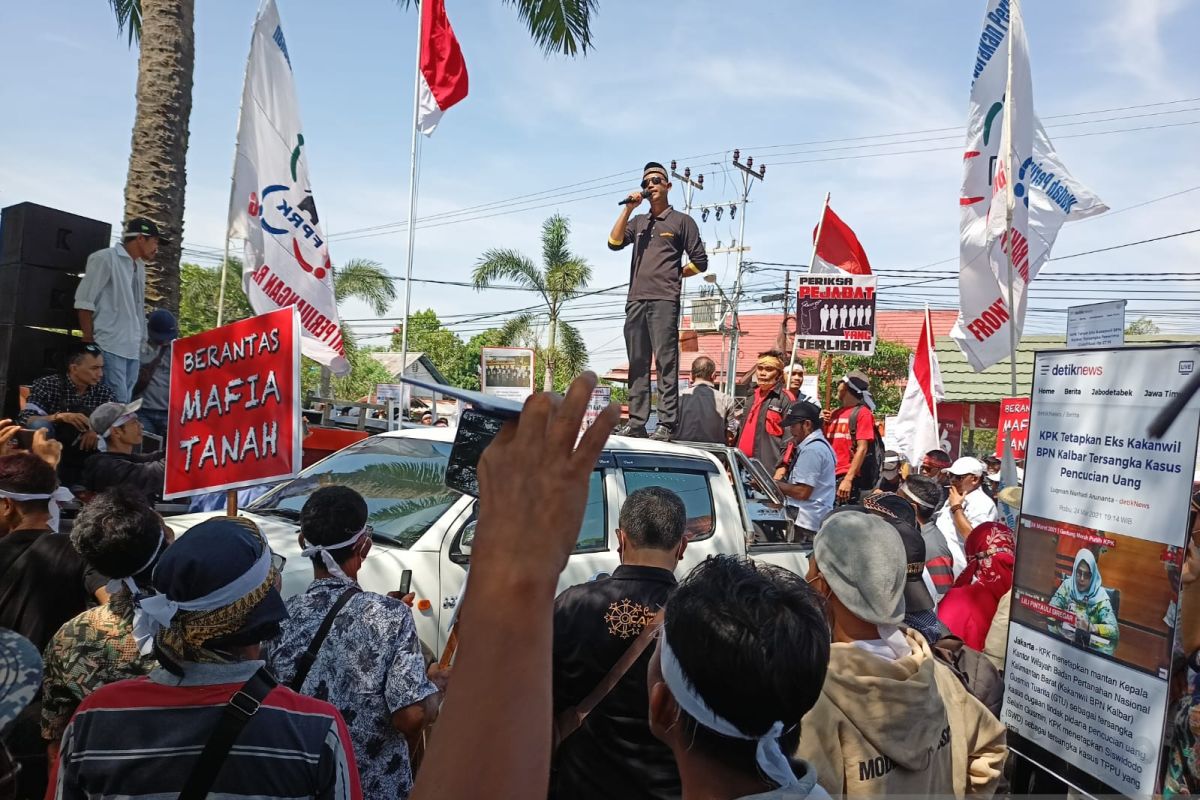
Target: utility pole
<point>749,176</point>
<point>689,186</point>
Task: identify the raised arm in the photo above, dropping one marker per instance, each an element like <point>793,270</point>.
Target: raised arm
<point>622,232</point>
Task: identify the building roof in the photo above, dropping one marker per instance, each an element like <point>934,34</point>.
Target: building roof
<point>391,362</point>
<point>965,385</point>
<point>761,332</point>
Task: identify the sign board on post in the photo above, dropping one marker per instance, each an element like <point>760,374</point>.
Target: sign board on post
<point>506,372</point>
<point>1096,325</point>
<point>836,313</point>
<point>1104,522</point>
<point>235,418</point>
<point>1014,420</point>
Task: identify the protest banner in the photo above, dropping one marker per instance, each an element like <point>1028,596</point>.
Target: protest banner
<point>234,405</point>
<point>836,313</point>
<point>1096,325</point>
<point>506,372</point>
<point>601,397</point>
<point>1104,521</point>
<point>1014,420</point>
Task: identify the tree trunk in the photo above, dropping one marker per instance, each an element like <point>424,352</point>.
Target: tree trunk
<point>548,379</point>
<point>157,176</point>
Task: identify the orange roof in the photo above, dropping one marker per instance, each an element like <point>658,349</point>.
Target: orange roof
<point>761,332</point>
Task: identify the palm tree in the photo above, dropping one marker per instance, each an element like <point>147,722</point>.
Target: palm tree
<point>561,278</point>
<point>154,187</point>
<point>365,280</point>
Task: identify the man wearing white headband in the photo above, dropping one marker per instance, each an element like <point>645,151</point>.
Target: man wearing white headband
<point>369,664</point>
<point>730,682</point>
<point>851,431</point>
<point>120,536</point>
<point>891,720</point>
<point>117,464</point>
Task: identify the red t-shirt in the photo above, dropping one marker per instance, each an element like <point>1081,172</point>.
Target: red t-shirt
<point>838,434</point>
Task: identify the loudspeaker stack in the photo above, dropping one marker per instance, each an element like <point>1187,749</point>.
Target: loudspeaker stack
<point>43,251</point>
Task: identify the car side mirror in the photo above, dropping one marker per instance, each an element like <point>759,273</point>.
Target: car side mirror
<point>461,554</point>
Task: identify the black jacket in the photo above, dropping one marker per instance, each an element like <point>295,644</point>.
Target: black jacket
<point>141,471</point>
<point>613,754</point>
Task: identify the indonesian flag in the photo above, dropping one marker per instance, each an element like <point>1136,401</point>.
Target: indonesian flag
<point>837,248</point>
<point>915,427</point>
<point>443,79</point>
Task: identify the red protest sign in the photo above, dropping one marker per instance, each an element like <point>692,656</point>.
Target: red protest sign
<point>234,413</point>
<point>1014,419</point>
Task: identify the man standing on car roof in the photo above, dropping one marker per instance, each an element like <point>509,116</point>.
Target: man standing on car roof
<point>660,239</point>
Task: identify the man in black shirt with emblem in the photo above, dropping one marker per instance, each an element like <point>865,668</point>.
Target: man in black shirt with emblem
<point>613,754</point>
<point>660,239</point>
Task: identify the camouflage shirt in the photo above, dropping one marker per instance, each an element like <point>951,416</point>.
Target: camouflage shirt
<point>92,650</point>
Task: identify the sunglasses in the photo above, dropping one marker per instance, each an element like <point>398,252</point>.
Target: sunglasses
<point>655,181</point>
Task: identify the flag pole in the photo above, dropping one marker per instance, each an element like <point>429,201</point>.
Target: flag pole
<point>1008,211</point>
<point>233,177</point>
<point>811,261</point>
<point>937,432</point>
<point>412,194</point>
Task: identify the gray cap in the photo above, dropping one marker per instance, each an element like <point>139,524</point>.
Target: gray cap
<point>106,414</point>
<point>20,675</point>
<point>864,563</point>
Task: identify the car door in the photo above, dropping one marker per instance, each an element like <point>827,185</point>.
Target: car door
<point>595,549</point>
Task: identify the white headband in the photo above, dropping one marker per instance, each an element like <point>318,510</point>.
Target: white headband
<point>160,609</point>
<point>770,756</point>
<point>60,495</point>
<point>102,442</point>
<point>139,616</point>
<point>322,550</point>
<point>905,491</point>
<point>865,394</point>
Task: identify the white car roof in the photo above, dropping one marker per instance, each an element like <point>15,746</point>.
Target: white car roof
<point>436,434</point>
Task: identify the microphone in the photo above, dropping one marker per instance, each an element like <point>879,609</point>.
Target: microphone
<point>627,201</point>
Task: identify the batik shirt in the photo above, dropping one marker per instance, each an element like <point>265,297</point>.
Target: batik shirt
<point>369,666</point>
<point>92,650</point>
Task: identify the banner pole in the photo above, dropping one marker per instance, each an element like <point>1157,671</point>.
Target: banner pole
<point>1008,210</point>
<point>231,505</point>
<point>811,261</point>
<point>937,432</point>
<point>412,194</point>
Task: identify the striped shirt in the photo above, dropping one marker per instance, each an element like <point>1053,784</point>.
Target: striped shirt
<point>139,739</point>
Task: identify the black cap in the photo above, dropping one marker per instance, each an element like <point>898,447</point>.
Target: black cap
<point>800,411</point>
<point>140,226</point>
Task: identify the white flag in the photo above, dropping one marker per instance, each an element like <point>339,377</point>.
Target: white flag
<point>915,430</point>
<point>271,205</point>
<point>1043,194</point>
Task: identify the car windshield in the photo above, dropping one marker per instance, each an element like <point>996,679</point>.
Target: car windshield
<point>402,480</point>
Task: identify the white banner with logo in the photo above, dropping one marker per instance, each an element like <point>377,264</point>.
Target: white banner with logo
<point>836,313</point>
<point>272,206</point>
<point>1104,522</point>
<point>1044,194</point>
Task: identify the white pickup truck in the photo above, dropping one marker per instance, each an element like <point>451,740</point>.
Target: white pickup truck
<point>421,525</point>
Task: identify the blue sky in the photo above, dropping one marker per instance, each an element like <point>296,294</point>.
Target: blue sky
<point>687,80</point>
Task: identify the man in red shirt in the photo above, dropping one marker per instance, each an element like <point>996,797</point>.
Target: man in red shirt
<point>850,446</point>
<point>761,435</point>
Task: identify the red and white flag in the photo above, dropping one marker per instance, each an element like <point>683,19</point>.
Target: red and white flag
<point>443,79</point>
<point>837,247</point>
<point>915,430</point>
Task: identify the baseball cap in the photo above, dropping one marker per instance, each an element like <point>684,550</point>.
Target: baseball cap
<point>864,563</point>
<point>140,226</point>
<point>891,463</point>
<point>800,411</point>
<point>856,382</point>
<point>161,326</point>
<point>108,416</point>
<point>20,675</point>
<point>967,466</point>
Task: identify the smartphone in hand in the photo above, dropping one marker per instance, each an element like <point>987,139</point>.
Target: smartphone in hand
<point>405,582</point>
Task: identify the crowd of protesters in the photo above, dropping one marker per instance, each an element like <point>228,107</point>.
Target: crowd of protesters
<point>135,665</point>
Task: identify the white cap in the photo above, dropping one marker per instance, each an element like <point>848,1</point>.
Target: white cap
<point>967,466</point>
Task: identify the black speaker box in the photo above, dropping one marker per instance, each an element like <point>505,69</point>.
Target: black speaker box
<point>47,237</point>
<point>37,296</point>
<point>27,354</point>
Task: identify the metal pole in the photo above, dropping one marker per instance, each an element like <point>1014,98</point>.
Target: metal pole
<point>412,196</point>
<point>737,290</point>
<point>221,293</point>
<point>1009,199</point>
<point>232,177</point>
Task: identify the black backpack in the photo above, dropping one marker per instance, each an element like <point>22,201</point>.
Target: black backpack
<point>868,476</point>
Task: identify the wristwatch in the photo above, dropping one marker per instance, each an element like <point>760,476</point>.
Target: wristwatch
<point>956,509</point>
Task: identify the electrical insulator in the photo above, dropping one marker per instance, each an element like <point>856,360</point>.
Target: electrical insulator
<point>719,210</point>
<point>732,210</point>
<point>700,180</point>
<point>762,170</point>
<point>704,215</point>
<point>672,165</point>
<point>687,172</point>
<point>736,154</point>
<point>750,161</point>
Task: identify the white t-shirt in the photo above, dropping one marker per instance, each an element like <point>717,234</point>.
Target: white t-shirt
<point>979,509</point>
